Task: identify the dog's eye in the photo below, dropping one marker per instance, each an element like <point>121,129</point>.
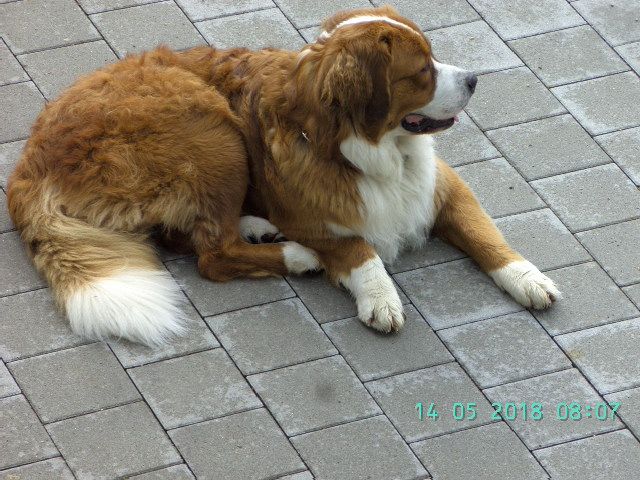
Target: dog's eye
<point>425,69</point>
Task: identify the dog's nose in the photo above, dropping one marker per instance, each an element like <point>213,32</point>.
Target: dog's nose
<point>472,81</point>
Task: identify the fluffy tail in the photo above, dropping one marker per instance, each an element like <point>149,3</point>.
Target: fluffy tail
<point>109,283</point>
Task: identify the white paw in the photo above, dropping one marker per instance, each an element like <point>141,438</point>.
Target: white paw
<point>299,259</point>
<point>384,312</point>
<point>379,305</point>
<point>258,230</point>
<point>526,284</point>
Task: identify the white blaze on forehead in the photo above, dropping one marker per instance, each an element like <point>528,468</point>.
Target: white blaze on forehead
<point>367,19</point>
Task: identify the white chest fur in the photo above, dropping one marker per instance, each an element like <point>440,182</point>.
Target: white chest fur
<point>397,190</point>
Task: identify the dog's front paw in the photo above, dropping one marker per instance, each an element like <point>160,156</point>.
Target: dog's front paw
<point>379,305</point>
<point>526,284</point>
<point>383,312</point>
<point>259,230</point>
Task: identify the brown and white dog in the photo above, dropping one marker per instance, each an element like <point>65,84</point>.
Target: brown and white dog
<point>331,144</point>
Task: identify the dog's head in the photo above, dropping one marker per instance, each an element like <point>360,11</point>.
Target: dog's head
<point>376,69</point>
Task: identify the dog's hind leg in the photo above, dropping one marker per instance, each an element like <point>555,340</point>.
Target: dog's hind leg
<point>462,222</point>
<point>223,254</point>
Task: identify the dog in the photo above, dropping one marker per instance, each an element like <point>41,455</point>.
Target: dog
<point>330,147</point>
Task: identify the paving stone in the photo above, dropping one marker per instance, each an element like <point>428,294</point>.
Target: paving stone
<point>432,14</point>
<point>547,147</point>
<point>472,46</point>
<point>623,147</point>
<point>500,188</point>
<point>631,53</point>
<point>23,438</point>
<point>211,298</point>
<point>16,270</point>
<point>95,6</point>
<point>603,104</point>
<point>552,390</point>
<point>9,154</point>
<point>614,248</point>
<point>197,339</point>
<point>629,409</point>
<point>463,455</point>
<point>504,349</point>
<point>568,56</point>
<point>541,238</point>
<point>509,97</point>
<point>602,354</point>
<point>57,23</point>
<point>455,293</point>
<point>332,452</point>
<point>464,143</point>
<point>314,395</point>
<point>10,69</point>
<point>521,18</point>
<point>20,103</point>
<point>373,355</point>
<point>433,252</point>
<point>616,453</point>
<point>89,379</point>
<point>617,21</point>
<point>32,326</point>
<point>113,443</point>
<point>198,10</point>
<point>45,470</point>
<point>5,221</point>
<point>177,472</point>
<point>260,29</point>
<point>443,386</point>
<point>147,26</point>
<point>305,14</point>
<point>193,388</point>
<point>298,476</point>
<point>44,67</point>
<point>325,301</point>
<point>8,385</point>
<point>245,445</point>
<point>633,292</point>
<point>271,336</point>
<point>591,198</point>
<point>589,299</point>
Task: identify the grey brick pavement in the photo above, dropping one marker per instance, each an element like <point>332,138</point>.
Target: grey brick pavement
<point>276,379</point>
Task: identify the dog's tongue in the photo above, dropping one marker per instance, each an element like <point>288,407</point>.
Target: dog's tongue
<point>414,118</point>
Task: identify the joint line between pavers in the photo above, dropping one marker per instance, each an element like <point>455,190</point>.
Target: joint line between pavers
<point>62,349</point>
<point>233,14</point>
<point>20,465</point>
<point>604,432</point>
<point>44,49</point>
<point>142,472</point>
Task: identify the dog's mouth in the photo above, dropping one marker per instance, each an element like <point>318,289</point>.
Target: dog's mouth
<point>417,123</point>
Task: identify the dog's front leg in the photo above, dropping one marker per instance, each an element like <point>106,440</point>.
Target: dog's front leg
<point>354,264</point>
<point>462,222</point>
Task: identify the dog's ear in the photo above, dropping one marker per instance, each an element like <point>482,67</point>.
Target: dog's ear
<point>357,83</point>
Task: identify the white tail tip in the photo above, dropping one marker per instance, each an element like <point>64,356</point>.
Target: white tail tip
<point>143,306</point>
